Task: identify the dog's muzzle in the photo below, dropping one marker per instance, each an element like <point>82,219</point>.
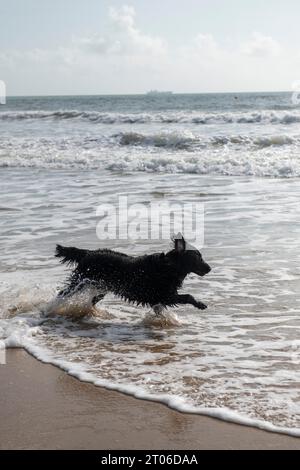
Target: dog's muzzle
<point>204,270</point>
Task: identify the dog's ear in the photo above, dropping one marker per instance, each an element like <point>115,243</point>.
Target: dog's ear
<point>179,243</point>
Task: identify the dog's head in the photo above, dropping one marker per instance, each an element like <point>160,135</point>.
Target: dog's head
<point>189,257</point>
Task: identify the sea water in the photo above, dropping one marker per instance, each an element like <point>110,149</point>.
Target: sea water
<point>60,157</point>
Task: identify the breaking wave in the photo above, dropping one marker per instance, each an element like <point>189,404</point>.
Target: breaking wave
<point>272,117</point>
<point>274,156</point>
<point>208,164</point>
<point>186,139</point>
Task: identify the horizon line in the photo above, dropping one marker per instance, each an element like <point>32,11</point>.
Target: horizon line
<point>145,94</point>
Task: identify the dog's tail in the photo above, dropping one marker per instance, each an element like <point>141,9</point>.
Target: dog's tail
<point>69,254</point>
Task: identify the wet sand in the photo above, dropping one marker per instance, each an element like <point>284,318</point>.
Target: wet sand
<point>41,407</point>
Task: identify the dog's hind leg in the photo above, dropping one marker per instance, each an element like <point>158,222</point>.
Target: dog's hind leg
<point>76,285</point>
<point>158,309</point>
<point>97,298</point>
<point>68,291</point>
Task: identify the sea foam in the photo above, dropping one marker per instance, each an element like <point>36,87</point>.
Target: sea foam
<point>23,334</point>
<point>177,151</point>
<point>253,117</point>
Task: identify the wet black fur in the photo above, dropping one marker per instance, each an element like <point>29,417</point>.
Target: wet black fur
<point>148,280</point>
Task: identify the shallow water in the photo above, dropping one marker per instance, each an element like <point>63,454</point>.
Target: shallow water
<point>240,358</point>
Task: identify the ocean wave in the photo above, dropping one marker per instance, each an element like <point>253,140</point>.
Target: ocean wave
<point>208,164</point>
<point>274,156</point>
<point>179,140</point>
<point>186,140</point>
<point>271,117</point>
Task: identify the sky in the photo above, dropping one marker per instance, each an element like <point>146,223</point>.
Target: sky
<point>66,47</point>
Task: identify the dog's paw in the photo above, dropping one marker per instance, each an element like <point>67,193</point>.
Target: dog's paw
<point>201,306</point>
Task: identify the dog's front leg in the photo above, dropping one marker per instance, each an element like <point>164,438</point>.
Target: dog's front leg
<point>189,299</point>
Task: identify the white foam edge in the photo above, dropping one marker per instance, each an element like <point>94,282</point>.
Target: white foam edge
<point>173,402</point>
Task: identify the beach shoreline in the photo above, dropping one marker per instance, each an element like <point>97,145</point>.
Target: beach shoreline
<point>77,169</point>
<point>42,407</point>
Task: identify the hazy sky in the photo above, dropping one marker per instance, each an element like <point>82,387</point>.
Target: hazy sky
<point>102,46</point>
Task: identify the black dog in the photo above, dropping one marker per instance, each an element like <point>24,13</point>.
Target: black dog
<point>151,280</point>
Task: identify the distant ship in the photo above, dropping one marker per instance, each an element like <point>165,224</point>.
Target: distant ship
<point>156,92</point>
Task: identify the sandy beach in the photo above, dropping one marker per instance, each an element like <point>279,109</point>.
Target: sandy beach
<point>42,407</point>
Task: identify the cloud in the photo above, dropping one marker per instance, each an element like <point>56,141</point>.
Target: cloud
<point>94,63</point>
<point>37,56</point>
<point>123,16</point>
<point>203,52</point>
<point>206,43</point>
<point>123,38</point>
<point>261,46</point>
